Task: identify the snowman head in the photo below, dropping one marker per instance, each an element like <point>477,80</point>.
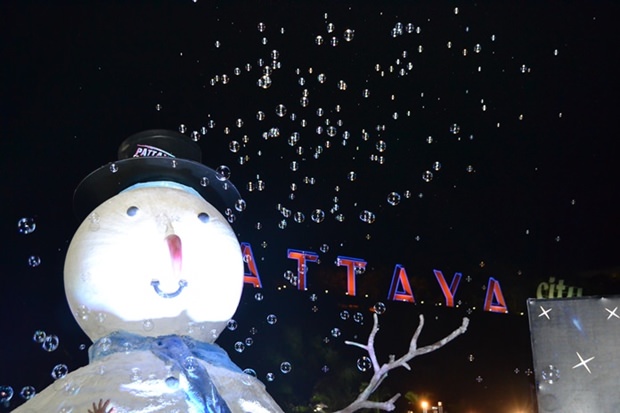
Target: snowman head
<point>155,257</point>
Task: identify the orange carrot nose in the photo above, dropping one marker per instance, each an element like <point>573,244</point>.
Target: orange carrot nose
<point>176,252</point>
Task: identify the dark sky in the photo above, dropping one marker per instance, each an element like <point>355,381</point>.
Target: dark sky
<point>525,189</point>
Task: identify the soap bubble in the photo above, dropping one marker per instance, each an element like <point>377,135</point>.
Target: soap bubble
<point>223,173</point>
<point>550,374</point>
<point>358,317</point>
<point>250,372</point>
<point>318,215</point>
<point>34,261</point>
<point>270,376</point>
<point>50,343</point>
<point>249,341</point>
<point>349,34</point>
<point>272,319</point>
<point>455,129</point>
<point>26,225</point>
<point>231,325</point>
<point>104,343</point>
<point>59,371</point>
<point>285,367</point>
<point>147,325</point>
<point>258,296</point>
<point>393,198</point>
<point>240,205</point>
<point>367,216</point>
<point>136,374</point>
<point>379,308</point>
<point>427,176</point>
<point>191,363</point>
<point>344,314</point>
<point>264,82</point>
<point>39,336</point>
<point>364,363</point>
<point>234,146</point>
<point>281,110</point>
<point>172,382</point>
<point>239,347</point>
<point>27,392</point>
<point>6,394</point>
<point>335,332</point>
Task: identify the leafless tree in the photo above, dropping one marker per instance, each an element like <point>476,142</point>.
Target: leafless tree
<point>380,372</point>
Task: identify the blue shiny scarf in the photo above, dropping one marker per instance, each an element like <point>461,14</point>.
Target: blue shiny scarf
<point>180,352</point>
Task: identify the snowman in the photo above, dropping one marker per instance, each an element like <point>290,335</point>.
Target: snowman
<point>152,275</point>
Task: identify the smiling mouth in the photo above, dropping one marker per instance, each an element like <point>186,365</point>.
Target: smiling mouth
<point>155,284</point>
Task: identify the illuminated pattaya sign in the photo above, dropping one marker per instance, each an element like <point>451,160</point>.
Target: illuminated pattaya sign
<point>400,288</point>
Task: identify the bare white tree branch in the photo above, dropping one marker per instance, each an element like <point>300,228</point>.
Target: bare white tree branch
<point>381,371</point>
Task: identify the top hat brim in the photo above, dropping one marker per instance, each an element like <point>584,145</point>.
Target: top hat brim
<point>111,179</point>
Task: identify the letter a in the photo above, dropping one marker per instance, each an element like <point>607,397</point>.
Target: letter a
<point>400,290</point>
<point>494,300</point>
<point>251,277</point>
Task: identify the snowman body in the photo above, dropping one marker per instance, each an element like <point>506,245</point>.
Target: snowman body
<point>152,276</point>
<point>140,382</point>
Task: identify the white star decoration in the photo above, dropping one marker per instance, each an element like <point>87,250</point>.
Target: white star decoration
<point>545,312</point>
<point>583,362</point>
<point>612,313</point>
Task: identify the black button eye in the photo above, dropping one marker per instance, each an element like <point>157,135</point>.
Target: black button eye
<point>204,217</point>
<point>132,210</point>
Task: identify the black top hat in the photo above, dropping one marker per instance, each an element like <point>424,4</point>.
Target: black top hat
<point>156,155</point>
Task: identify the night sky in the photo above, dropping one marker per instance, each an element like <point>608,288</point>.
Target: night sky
<point>480,138</point>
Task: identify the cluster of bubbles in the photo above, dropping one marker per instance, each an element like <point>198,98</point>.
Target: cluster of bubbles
<point>27,225</point>
<point>49,342</point>
<point>329,128</point>
<point>7,393</point>
<point>241,345</point>
<point>399,29</point>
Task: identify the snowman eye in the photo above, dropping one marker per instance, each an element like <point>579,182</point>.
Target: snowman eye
<point>132,210</point>
<point>204,217</point>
